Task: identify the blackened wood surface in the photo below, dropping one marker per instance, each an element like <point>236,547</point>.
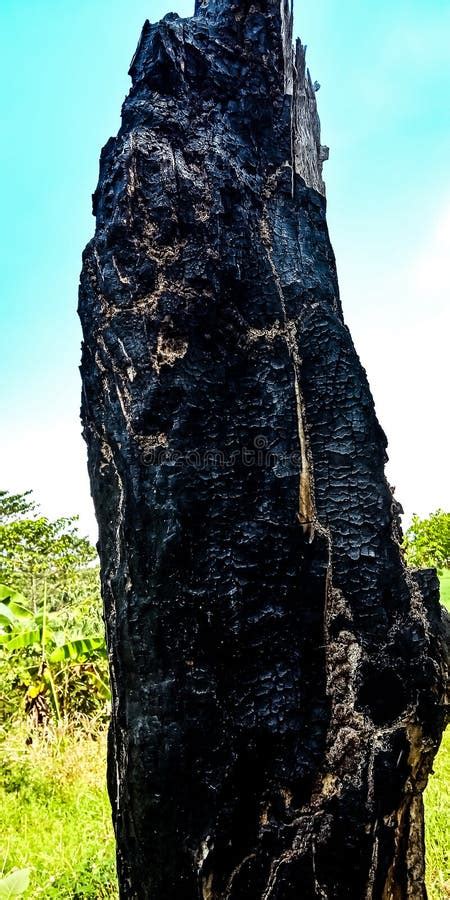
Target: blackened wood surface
<point>277,674</point>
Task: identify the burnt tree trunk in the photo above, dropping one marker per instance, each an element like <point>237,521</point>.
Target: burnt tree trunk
<point>277,673</point>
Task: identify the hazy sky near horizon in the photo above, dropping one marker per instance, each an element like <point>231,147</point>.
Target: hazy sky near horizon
<point>384,103</point>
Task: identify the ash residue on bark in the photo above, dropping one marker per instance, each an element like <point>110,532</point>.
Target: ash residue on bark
<point>277,674</point>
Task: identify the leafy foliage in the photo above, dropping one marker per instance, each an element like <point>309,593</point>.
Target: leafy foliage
<point>12,606</point>
<point>15,884</point>
<point>52,649</point>
<point>427,541</point>
<point>34,550</point>
<point>52,658</point>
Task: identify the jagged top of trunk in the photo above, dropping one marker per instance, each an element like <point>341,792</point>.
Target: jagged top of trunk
<point>262,27</point>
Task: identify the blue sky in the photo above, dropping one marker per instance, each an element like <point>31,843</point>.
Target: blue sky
<point>384,103</point>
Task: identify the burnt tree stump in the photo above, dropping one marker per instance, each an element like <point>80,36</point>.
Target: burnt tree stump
<point>277,673</point>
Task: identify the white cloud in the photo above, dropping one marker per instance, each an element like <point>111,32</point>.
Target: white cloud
<point>50,459</point>
<point>406,357</point>
<point>431,272</point>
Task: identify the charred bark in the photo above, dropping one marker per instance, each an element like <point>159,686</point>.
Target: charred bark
<point>277,673</point>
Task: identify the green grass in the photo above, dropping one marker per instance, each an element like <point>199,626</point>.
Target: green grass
<point>437,820</point>
<point>445,588</point>
<point>56,816</point>
<point>437,805</point>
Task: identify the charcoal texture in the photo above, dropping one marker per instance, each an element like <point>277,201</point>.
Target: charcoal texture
<point>277,673</point>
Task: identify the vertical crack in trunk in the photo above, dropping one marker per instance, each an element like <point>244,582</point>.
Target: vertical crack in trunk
<point>306,508</point>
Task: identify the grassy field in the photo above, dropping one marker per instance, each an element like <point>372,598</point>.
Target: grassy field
<point>445,589</point>
<point>56,816</point>
<point>437,813</point>
<point>437,805</point>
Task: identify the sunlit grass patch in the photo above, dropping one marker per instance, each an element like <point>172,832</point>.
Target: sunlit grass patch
<point>437,805</point>
<point>437,817</point>
<point>56,816</point>
<point>445,588</point>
